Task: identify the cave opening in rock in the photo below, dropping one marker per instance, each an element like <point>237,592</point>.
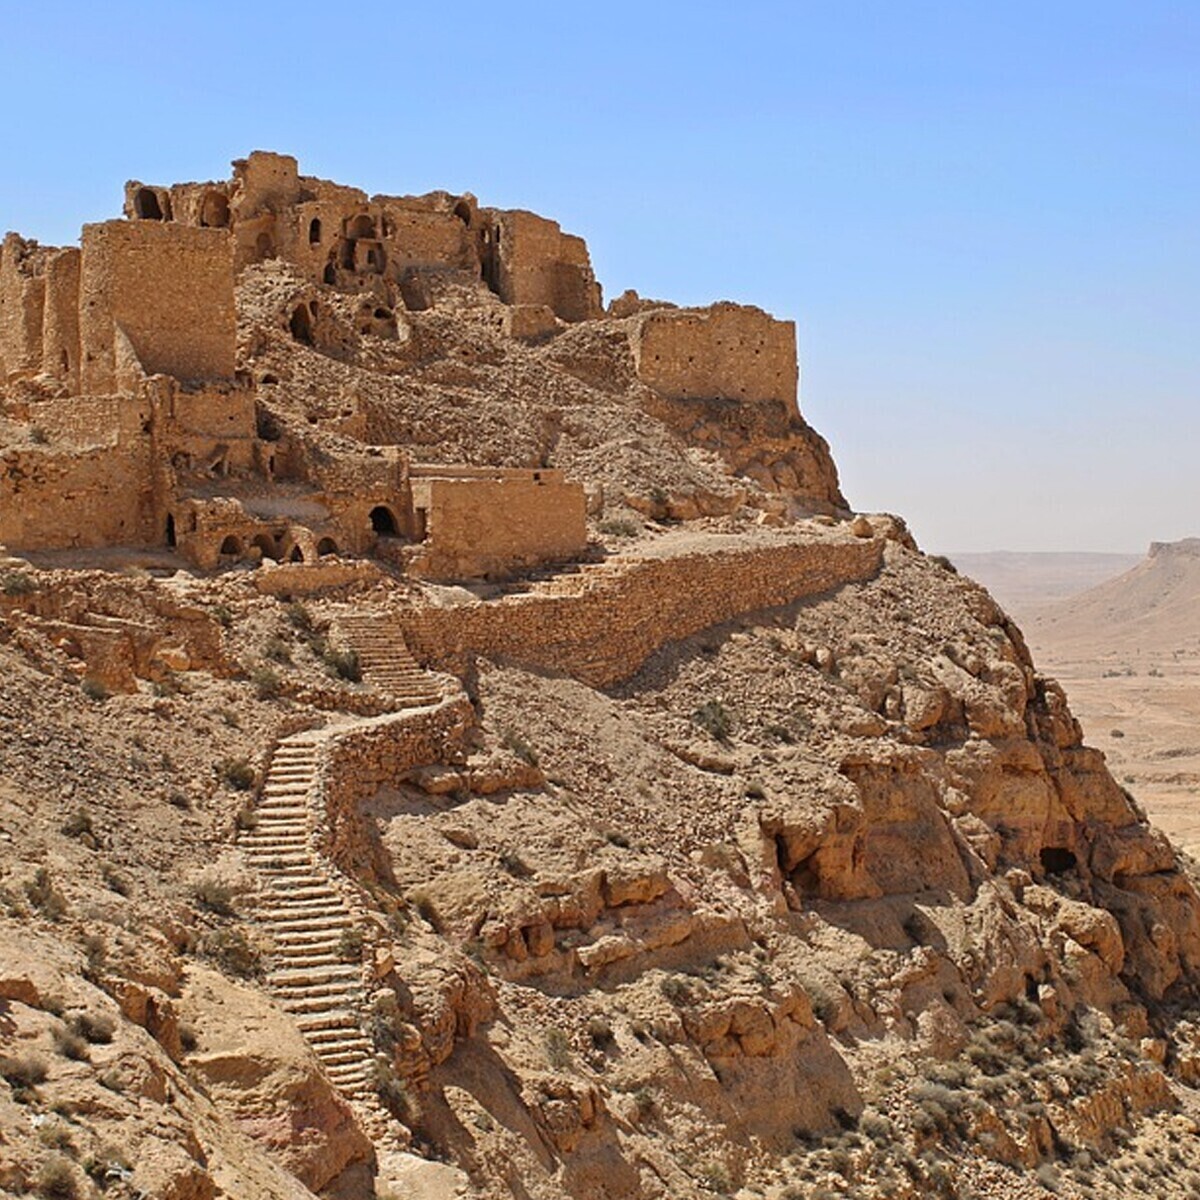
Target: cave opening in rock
<point>1057,860</point>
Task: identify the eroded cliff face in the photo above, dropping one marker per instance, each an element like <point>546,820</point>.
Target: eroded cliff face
<point>829,895</point>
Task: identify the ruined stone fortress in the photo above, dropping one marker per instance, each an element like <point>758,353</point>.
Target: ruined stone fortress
<point>126,420</point>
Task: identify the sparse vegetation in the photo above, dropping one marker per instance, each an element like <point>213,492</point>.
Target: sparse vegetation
<point>558,1049</point>
<point>44,896</point>
<point>351,943</point>
<point>210,893</point>
<point>620,527</point>
<point>56,1179</point>
<point>93,689</point>
<point>95,1027</point>
<point>267,684</point>
<point>18,583</point>
<point>237,773</point>
<point>343,664</point>
<point>23,1071</point>
<point>69,1044</point>
<point>715,719</point>
<point>277,650</point>
<point>232,951</point>
<point>513,741</point>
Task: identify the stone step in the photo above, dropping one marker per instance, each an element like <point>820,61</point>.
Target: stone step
<point>313,888</point>
<point>332,973</point>
<point>295,943</point>
<point>329,1020</point>
<point>332,1037</point>
<point>341,1057</point>
<point>320,922</point>
<point>314,1004</point>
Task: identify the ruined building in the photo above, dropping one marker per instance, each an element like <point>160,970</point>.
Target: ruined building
<point>129,418</point>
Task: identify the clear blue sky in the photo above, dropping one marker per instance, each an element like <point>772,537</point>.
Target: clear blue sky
<point>982,216</point>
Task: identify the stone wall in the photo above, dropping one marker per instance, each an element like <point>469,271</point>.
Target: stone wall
<point>168,290</point>
<point>60,325</point>
<point>371,754</point>
<point>53,498</point>
<point>490,523</point>
<point>528,259</point>
<point>727,352</point>
<point>22,301</point>
<point>603,634</point>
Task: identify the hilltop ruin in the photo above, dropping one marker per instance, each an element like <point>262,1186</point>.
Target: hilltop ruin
<point>132,417</point>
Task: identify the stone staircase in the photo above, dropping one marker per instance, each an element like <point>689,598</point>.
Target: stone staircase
<point>386,661</point>
<point>316,973</point>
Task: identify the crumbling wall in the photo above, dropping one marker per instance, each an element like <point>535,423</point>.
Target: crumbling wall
<point>603,634</point>
<point>53,498</point>
<point>726,352</point>
<point>165,288</point>
<point>22,303</point>
<point>528,259</point>
<point>60,326</point>
<point>492,523</point>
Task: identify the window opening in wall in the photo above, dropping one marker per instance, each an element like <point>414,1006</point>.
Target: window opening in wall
<point>360,227</point>
<point>330,275</point>
<point>326,546</point>
<point>146,205</point>
<point>462,210</point>
<point>66,361</point>
<point>297,555</point>
<point>170,530</point>
<point>420,524</point>
<point>263,247</point>
<point>214,212</point>
<point>301,325</point>
<point>383,521</point>
<point>314,231</point>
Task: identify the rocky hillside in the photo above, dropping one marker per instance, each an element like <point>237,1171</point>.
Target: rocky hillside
<point>752,856</point>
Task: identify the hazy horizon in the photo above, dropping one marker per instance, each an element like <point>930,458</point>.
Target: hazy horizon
<point>982,222</point>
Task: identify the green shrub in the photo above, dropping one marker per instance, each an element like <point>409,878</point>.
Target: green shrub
<point>715,719</point>
<point>55,1179</point>
<point>620,527</point>
<point>675,988</point>
<point>95,1027</point>
<point>267,684</point>
<point>70,1045</point>
<point>246,819</point>
<point>78,824</point>
<point>93,689</point>
<point>351,943</point>
<point>600,1032</point>
<point>42,894</point>
<point>223,615</point>
<point>18,583</point>
<point>23,1071</point>
<point>277,650</point>
<point>95,955</point>
<point>558,1049</point>
<point>520,747</point>
<point>342,664</point>
<point>114,880</point>
<point>213,895</point>
<point>300,617</point>
<point>236,773</point>
<point>231,950</point>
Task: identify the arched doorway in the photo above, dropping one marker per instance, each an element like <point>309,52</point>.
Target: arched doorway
<point>383,521</point>
<point>297,555</point>
<point>326,546</point>
<point>314,231</point>
<point>170,530</point>
<point>231,547</point>
<point>301,325</point>
<point>266,544</point>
